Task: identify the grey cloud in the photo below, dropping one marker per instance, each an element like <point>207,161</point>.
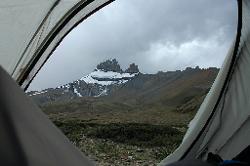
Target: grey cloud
<point>157,35</point>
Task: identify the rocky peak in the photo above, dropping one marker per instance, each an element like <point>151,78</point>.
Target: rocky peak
<point>132,69</point>
<point>110,65</point>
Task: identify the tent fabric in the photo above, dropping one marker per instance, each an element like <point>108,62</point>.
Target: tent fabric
<point>27,136</point>
<point>30,30</point>
<point>228,131</point>
<point>190,162</point>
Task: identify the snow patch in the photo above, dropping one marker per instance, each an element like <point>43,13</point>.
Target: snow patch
<point>119,78</point>
<point>77,93</point>
<point>37,93</point>
<point>63,86</point>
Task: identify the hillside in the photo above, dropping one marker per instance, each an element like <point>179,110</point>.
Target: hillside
<point>126,117</point>
<point>164,90</point>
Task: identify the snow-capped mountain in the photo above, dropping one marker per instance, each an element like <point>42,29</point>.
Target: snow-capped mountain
<point>106,77</point>
<point>97,83</point>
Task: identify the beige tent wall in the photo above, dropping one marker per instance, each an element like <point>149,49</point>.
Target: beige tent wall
<point>19,22</point>
<point>31,29</point>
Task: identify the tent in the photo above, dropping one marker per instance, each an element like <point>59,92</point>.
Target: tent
<point>30,30</point>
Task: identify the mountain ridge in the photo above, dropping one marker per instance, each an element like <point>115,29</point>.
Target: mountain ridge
<point>172,88</point>
<point>107,75</point>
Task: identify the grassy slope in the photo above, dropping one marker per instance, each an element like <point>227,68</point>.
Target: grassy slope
<point>145,122</point>
<point>154,101</point>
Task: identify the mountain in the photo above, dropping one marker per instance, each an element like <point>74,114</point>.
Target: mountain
<point>109,88</point>
<point>107,76</point>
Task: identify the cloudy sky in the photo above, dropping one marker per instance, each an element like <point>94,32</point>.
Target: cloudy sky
<point>157,35</point>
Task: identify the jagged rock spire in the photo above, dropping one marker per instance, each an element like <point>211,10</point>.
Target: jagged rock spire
<point>132,69</point>
<point>109,65</point>
<point>113,65</point>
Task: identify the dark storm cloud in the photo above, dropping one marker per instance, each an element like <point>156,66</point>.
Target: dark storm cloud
<point>155,34</point>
